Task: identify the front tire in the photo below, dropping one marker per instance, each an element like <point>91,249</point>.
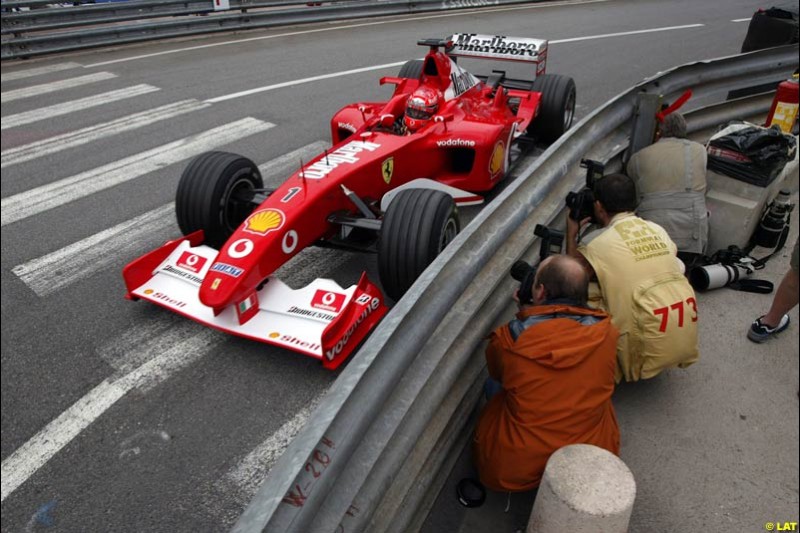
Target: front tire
<point>557,106</point>
<point>215,194</point>
<point>417,226</point>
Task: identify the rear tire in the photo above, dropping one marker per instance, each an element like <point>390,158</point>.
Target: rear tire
<point>215,195</point>
<point>411,69</point>
<point>557,106</point>
<point>417,226</point>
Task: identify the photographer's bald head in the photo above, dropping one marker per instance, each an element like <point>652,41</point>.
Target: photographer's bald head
<point>559,277</point>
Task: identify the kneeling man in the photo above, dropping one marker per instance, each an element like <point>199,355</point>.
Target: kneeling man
<point>554,365</point>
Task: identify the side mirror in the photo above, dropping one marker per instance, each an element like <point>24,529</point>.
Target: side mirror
<point>387,121</point>
<point>444,119</point>
<point>392,80</point>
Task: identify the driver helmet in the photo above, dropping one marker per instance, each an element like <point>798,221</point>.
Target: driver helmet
<point>421,106</point>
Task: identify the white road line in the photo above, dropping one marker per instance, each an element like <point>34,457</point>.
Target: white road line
<point>81,260</point>
<point>301,81</point>
<point>32,455</point>
<point>748,19</point>
<point>87,102</point>
<point>21,74</point>
<point>250,472</point>
<point>36,90</point>
<point>35,453</point>
<point>143,334</point>
<point>20,154</point>
<point>40,199</point>
<point>624,33</point>
<point>458,13</point>
<point>391,65</point>
<point>290,162</point>
<point>52,272</point>
<point>156,364</point>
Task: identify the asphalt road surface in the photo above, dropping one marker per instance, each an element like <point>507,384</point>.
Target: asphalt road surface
<point>119,416</point>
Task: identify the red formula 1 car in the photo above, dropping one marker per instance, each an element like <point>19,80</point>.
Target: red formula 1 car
<point>389,183</point>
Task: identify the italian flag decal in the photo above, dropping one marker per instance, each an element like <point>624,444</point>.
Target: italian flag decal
<point>247,308</point>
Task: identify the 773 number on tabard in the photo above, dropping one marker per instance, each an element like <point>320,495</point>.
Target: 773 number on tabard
<point>664,313</point>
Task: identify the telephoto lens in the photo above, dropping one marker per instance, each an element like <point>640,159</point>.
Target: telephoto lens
<point>706,278</point>
<point>774,221</point>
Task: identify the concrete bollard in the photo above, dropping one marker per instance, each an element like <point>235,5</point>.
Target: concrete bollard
<point>585,489</point>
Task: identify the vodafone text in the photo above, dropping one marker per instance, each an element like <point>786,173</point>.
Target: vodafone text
<point>455,143</point>
<point>337,349</point>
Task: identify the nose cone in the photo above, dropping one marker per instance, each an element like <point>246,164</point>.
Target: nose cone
<point>219,289</point>
<point>225,278</point>
<point>249,256</point>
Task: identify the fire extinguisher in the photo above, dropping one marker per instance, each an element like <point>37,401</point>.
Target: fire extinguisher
<point>784,106</point>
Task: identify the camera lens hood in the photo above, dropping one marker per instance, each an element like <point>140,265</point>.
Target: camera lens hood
<point>520,269</point>
<point>470,492</point>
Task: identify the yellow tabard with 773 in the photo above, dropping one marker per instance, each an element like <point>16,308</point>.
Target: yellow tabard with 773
<point>645,292</point>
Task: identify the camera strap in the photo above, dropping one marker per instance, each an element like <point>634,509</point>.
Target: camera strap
<point>735,256</point>
<point>759,286</point>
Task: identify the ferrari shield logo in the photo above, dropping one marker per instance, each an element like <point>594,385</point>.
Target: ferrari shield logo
<point>386,169</point>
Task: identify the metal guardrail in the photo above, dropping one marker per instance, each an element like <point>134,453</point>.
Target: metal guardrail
<point>371,456</point>
<point>55,28</point>
<point>84,14</point>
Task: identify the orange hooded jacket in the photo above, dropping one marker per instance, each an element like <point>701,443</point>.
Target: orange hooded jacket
<point>557,377</point>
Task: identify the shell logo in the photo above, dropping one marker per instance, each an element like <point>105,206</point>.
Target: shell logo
<point>262,222</point>
<point>274,335</point>
<point>497,162</point>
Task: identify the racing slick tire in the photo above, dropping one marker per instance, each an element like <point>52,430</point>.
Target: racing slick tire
<point>411,69</point>
<point>557,106</point>
<point>215,194</point>
<point>416,227</point>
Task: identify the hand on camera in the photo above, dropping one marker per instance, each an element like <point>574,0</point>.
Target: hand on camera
<point>574,227</point>
<point>515,296</point>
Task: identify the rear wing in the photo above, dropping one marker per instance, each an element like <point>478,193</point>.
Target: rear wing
<point>499,47</point>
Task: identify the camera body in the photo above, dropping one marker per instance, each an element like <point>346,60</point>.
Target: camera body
<point>552,241</point>
<point>581,203</point>
<point>525,274</point>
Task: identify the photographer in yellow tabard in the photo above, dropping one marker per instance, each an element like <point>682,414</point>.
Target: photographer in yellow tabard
<point>640,282</point>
